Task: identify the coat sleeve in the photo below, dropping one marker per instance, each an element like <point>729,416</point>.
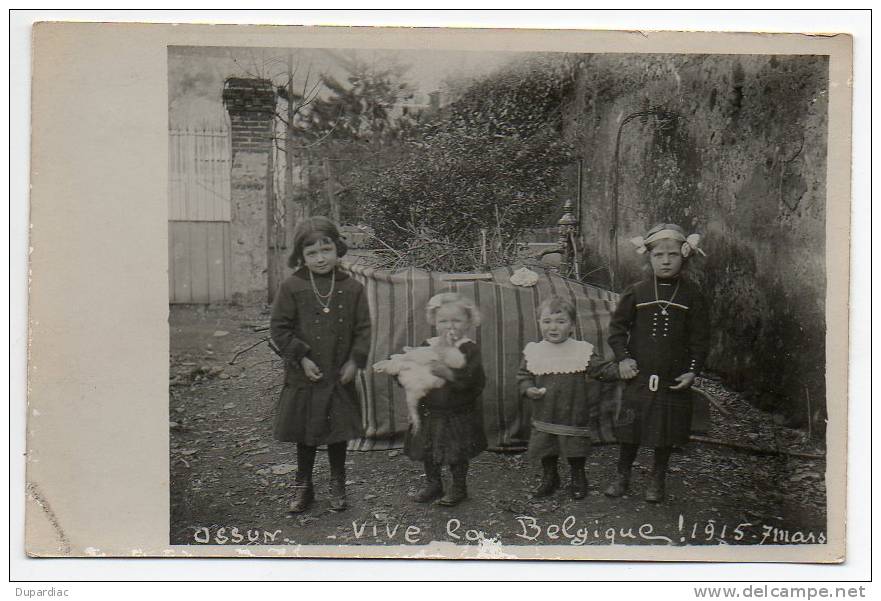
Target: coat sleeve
<point>698,333</point>
<point>362,330</point>
<point>525,378</point>
<point>602,369</point>
<point>622,322</point>
<point>283,327</point>
<point>471,376</point>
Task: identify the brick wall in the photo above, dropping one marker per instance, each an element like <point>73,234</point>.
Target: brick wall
<point>251,105</point>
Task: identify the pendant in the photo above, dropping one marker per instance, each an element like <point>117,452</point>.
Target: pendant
<point>326,309</point>
<point>664,311</point>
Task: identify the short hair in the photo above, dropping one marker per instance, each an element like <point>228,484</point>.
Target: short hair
<point>452,298</point>
<point>558,304</point>
<point>311,230</point>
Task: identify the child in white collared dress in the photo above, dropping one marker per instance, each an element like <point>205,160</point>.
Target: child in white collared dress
<point>556,375</point>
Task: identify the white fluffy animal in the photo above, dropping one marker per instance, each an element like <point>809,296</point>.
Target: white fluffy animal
<point>413,370</point>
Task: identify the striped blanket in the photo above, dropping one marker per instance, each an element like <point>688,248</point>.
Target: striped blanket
<point>510,320</point>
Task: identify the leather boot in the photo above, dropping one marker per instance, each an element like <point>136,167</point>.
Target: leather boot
<point>458,492</point>
<point>578,482</point>
<point>654,493</point>
<point>626,455</point>
<point>619,487</point>
<point>338,494</point>
<point>433,487</point>
<point>550,478</point>
<point>303,496</point>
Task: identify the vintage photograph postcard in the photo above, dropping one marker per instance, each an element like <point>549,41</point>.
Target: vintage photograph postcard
<point>438,293</point>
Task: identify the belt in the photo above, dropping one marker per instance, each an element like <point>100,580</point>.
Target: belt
<point>454,410</point>
<point>561,430</point>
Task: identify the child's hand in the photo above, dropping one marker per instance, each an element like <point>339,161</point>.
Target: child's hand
<point>535,393</point>
<point>627,369</point>
<point>347,373</point>
<point>685,381</point>
<point>448,339</point>
<point>440,370</point>
<point>310,369</point>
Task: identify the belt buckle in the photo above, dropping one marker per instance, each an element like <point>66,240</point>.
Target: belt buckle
<point>653,383</point>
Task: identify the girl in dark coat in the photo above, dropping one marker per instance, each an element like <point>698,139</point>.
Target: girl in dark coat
<point>320,326</point>
<point>452,420</point>
<point>659,336</point>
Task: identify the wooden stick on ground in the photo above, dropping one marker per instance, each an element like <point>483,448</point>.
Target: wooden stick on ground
<point>755,449</point>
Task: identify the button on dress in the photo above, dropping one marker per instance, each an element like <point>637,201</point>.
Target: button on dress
<point>668,337</point>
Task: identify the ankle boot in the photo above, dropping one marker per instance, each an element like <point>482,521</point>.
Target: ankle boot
<point>338,494</point>
<point>458,492</point>
<point>433,487</point>
<point>578,482</point>
<point>626,456</point>
<point>303,496</point>
<point>620,486</point>
<point>550,478</point>
<point>654,493</point>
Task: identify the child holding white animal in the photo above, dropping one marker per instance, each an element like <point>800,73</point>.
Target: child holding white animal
<point>413,369</point>
<point>450,421</point>
<point>555,375</point>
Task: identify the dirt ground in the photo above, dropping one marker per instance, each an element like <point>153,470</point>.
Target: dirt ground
<point>231,482</point>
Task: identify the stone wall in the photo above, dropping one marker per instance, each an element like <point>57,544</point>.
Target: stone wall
<point>739,155</point>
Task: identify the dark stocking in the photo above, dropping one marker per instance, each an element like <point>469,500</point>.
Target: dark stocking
<point>626,457</point>
<point>305,462</point>
<point>336,453</point>
<point>578,483</point>
<point>432,471</point>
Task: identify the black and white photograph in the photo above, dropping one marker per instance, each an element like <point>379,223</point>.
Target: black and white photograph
<point>496,299</point>
<point>440,294</point>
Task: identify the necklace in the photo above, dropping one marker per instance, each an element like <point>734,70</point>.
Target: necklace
<point>665,304</point>
<point>325,299</point>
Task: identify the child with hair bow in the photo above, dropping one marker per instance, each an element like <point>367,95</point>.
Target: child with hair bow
<point>659,334</point>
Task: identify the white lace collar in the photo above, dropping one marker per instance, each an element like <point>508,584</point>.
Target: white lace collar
<point>457,344</point>
<point>567,357</point>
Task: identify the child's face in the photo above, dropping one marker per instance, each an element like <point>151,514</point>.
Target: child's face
<point>666,259</point>
<point>451,320</point>
<point>320,257</point>
<point>555,327</point>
